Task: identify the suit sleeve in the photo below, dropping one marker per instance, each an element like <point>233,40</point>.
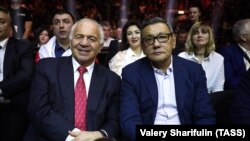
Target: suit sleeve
<point>130,115</point>
<point>232,72</point>
<point>203,112</point>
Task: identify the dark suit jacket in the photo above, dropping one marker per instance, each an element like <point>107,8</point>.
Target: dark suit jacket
<point>139,95</point>
<point>18,71</point>
<point>240,112</point>
<point>18,67</point>
<point>234,65</point>
<point>51,106</point>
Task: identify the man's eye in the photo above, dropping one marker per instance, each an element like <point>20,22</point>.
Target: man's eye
<point>92,39</point>
<point>162,37</point>
<point>147,39</point>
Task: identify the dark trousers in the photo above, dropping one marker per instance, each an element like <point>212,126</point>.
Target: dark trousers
<point>13,123</point>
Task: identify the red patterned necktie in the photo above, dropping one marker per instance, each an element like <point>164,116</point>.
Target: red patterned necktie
<point>80,101</point>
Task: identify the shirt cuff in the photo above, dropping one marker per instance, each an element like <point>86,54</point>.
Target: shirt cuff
<point>70,138</point>
<point>104,133</point>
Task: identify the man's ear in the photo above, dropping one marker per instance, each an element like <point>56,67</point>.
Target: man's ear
<point>101,47</point>
<point>243,37</point>
<point>173,40</point>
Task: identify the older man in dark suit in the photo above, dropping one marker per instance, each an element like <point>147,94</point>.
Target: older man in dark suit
<point>53,102</point>
<point>16,70</point>
<point>237,55</point>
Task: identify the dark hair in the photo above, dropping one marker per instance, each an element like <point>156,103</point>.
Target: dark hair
<point>106,23</point>
<point>125,44</point>
<point>42,28</point>
<point>6,11</point>
<point>154,20</point>
<point>60,12</point>
<point>3,9</point>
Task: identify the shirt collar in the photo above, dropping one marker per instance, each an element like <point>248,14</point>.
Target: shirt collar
<point>58,47</point>
<point>3,43</point>
<point>169,69</point>
<point>244,50</point>
<point>193,57</point>
<point>130,52</point>
<point>76,66</point>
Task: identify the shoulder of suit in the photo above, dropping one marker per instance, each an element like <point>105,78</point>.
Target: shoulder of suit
<point>19,43</point>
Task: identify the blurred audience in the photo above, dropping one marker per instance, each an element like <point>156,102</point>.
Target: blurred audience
<point>21,20</point>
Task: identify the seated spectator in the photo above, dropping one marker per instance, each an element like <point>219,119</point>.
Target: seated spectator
<point>236,56</point>
<point>181,30</point>
<point>201,49</point>
<point>194,13</point>
<point>162,89</point>
<point>58,45</point>
<point>130,50</point>
<point>42,37</point>
<point>73,98</point>
<point>16,72</point>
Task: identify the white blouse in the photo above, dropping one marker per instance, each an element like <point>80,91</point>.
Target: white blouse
<point>213,66</point>
<point>123,58</point>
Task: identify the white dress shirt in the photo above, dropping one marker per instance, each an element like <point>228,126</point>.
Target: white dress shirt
<point>167,112</point>
<point>247,64</point>
<point>2,53</point>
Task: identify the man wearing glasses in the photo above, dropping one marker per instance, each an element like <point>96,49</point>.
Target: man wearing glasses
<point>164,89</point>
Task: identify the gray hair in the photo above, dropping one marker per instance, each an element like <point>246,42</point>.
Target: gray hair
<point>101,33</point>
<point>240,27</point>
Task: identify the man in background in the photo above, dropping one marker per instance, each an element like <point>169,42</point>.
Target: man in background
<point>58,45</point>
<point>237,55</point>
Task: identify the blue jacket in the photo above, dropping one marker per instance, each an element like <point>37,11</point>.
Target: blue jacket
<point>234,65</point>
<point>139,95</point>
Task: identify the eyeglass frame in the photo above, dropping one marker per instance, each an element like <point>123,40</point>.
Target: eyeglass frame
<point>156,37</point>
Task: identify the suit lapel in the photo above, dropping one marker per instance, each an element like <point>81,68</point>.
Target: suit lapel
<point>179,83</point>
<point>240,58</point>
<point>147,74</point>
<point>96,86</point>
<point>66,84</point>
<point>9,56</point>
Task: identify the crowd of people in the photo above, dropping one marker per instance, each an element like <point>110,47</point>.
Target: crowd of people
<point>76,81</point>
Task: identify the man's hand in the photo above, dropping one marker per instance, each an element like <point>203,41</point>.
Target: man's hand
<point>85,135</point>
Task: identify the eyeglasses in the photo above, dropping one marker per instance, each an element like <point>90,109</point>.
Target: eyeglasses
<point>162,38</point>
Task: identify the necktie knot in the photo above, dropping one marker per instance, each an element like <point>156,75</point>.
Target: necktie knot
<point>81,70</point>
